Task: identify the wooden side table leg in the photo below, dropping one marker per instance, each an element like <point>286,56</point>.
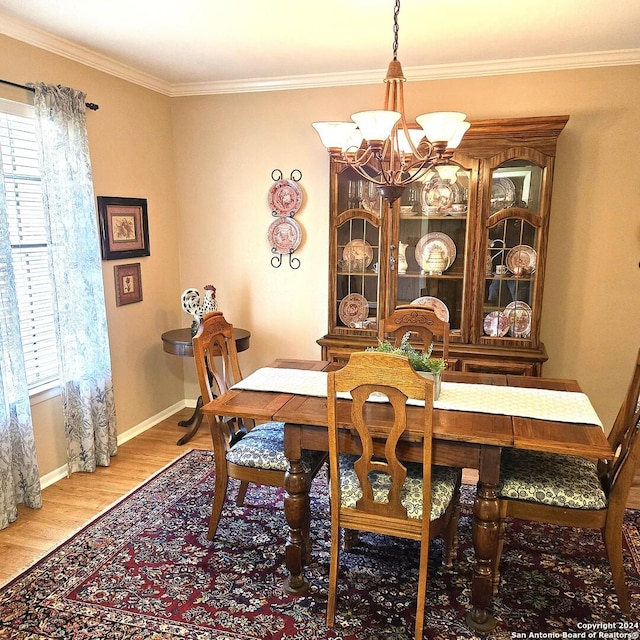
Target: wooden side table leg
<point>194,416</point>
<point>196,419</point>
<point>486,529</point>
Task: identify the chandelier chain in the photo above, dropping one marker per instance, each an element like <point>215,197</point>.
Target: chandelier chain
<point>396,29</point>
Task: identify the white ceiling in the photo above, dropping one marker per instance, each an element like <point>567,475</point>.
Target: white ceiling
<point>183,47</point>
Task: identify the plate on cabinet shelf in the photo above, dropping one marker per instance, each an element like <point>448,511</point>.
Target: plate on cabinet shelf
<point>285,235</point>
<point>285,198</point>
<point>353,308</point>
<point>522,257</point>
<point>440,308</point>
<point>358,250</point>
<point>519,314</point>
<point>496,324</point>
<point>371,198</point>
<point>435,240</point>
<point>436,196</point>
<point>503,194</point>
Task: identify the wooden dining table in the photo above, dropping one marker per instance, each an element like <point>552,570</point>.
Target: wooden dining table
<point>467,439</point>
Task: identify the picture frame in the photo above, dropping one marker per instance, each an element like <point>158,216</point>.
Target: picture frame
<point>124,227</point>
<point>128,283</point>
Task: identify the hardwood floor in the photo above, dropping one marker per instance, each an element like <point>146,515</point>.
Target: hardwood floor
<point>71,503</point>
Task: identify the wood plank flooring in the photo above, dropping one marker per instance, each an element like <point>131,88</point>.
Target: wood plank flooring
<point>71,503</point>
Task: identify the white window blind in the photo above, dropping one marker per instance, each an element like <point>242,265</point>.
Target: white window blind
<point>28,242</point>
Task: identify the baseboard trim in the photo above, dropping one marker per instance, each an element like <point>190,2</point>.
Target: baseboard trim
<point>61,472</point>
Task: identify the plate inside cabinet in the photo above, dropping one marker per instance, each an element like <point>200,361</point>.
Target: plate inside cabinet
<point>285,198</point>
<point>284,235</point>
<point>496,324</point>
<point>440,308</point>
<point>503,194</point>
<point>353,308</point>
<point>436,196</point>
<point>371,198</point>
<point>358,250</point>
<point>519,314</point>
<point>435,240</point>
<point>522,257</point>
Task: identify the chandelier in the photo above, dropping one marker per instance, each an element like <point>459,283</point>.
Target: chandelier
<point>380,146</point>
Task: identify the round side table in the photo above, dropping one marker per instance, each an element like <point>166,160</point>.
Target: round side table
<point>178,343</point>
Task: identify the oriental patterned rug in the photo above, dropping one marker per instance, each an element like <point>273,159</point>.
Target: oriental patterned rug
<point>144,569</point>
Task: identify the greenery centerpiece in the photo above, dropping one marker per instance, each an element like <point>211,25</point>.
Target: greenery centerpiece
<point>420,361</point>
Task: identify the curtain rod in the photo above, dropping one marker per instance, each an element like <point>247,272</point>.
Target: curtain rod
<point>89,105</point>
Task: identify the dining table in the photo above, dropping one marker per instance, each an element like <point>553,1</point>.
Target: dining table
<point>475,417</point>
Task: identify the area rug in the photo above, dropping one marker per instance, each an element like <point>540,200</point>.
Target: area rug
<point>144,569</point>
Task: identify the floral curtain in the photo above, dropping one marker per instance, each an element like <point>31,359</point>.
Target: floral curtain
<point>83,341</point>
<point>19,477</point>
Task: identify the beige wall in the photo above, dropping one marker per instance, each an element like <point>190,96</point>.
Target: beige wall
<point>205,163</point>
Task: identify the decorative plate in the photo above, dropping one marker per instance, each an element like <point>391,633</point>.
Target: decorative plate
<point>522,256</point>
<point>503,194</point>
<point>519,314</point>
<point>436,195</point>
<point>285,198</point>
<point>436,239</point>
<point>353,308</point>
<point>358,250</point>
<point>284,235</point>
<point>496,324</point>
<point>371,198</point>
<point>440,308</point>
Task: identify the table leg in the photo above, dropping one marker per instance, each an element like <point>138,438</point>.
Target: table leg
<point>296,510</point>
<point>196,420</point>
<point>194,415</point>
<point>486,529</point>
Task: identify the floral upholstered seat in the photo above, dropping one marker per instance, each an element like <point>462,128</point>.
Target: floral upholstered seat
<point>263,448</point>
<point>549,478</point>
<point>444,483</point>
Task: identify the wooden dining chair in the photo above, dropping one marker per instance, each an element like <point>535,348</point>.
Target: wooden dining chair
<point>576,492</point>
<point>419,320</point>
<point>375,491</point>
<point>244,451</point>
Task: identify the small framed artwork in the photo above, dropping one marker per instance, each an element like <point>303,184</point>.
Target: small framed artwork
<point>128,283</point>
<point>123,227</point>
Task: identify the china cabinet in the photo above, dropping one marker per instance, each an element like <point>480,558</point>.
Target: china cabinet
<point>469,240</point>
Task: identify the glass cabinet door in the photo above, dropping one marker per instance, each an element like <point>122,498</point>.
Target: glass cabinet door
<point>357,244</point>
<point>432,236</point>
<point>512,244</point>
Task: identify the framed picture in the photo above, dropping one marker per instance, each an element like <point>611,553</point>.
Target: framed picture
<point>128,283</point>
<point>123,227</point>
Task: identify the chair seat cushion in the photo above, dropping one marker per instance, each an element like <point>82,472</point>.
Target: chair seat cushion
<point>443,485</point>
<point>550,478</point>
<point>263,448</point>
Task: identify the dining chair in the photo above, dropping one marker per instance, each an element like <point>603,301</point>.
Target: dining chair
<point>375,491</point>
<point>577,492</point>
<point>417,319</point>
<point>242,450</point>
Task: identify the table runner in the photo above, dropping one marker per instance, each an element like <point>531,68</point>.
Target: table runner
<point>540,404</point>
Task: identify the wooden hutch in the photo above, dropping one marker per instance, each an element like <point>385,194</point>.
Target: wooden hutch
<point>471,243</point>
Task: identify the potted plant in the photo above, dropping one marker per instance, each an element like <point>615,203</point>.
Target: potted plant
<point>421,361</point>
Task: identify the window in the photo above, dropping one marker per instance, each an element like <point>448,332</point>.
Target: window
<point>27,231</point>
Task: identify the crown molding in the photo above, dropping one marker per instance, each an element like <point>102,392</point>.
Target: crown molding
<point>54,44</point>
<point>433,72</point>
